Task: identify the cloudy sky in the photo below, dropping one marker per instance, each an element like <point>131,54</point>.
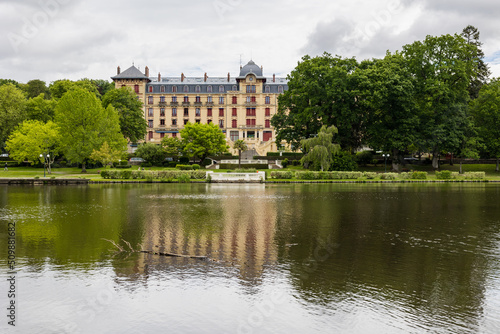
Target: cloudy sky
<point>73,39</point>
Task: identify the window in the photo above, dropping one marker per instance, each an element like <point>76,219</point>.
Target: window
<point>248,99</point>
<point>250,134</point>
<point>268,89</point>
<point>235,87</point>
<point>251,111</point>
<point>209,112</point>
<point>162,98</point>
<point>174,134</point>
<point>267,135</point>
<point>250,121</point>
<point>150,100</point>
<point>221,123</point>
<point>209,121</point>
<point>150,112</point>
<point>198,99</point>
<point>150,89</point>
<point>162,89</point>
<point>174,98</point>
<point>221,112</point>
<point>186,112</point>
<point>253,99</point>
<point>197,121</point>
<point>186,89</point>
<point>150,135</point>
<point>221,99</point>
<point>234,123</point>
<point>136,89</point>
<point>174,112</point>
<point>235,100</point>
<point>150,123</point>
<point>234,135</point>
<point>162,112</point>
<point>235,112</point>
<point>197,112</point>
<point>221,89</point>
<point>209,99</point>
<point>186,121</point>
<point>162,135</point>
<point>174,122</point>
<point>162,121</point>
<point>280,89</point>
<point>186,98</point>
<point>198,89</point>
<point>174,89</point>
<point>267,123</point>
<point>209,89</point>
<point>268,100</point>
<point>251,89</point>
<point>268,111</point>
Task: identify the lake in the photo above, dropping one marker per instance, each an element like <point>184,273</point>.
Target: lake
<point>291,258</point>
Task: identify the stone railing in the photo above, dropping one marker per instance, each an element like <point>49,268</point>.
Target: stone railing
<point>236,177</point>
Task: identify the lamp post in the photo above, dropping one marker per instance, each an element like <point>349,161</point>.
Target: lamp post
<point>44,157</point>
<point>385,160</point>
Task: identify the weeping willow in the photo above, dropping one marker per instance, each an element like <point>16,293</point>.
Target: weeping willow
<point>320,149</point>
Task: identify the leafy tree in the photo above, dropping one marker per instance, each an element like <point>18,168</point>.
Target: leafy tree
<point>387,91</point>
<point>12,110</point>
<point>106,155</point>
<point>86,125</point>
<point>60,87</point>
<point>202,140</point>
<point>343,161</point>
<point>442,72</point>
<point>34,138</point>
<point>103,86</point>
<point>241,146</point>
<point>36,87</point>
<point>172,146</point>
<point>321,91</point>
<point>132,122</point>
<point>319,149</point>
<point>151,153</point>
<point>38,108</point>
<point>10,81</point>
<point>486,114</point>
<point>480,72</point>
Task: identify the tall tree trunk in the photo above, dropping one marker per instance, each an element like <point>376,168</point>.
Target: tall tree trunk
<point>435,159</point>
<point>84,170</point>
<point>396,160</point>
<point>239,159</point>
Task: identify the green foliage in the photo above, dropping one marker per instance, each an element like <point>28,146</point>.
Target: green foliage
<point>364,157</point>
<point>320,149</point>
<point>418,175</point>
<point>106,155</point>
<point>173,147</point>
<point>86,125</point>
<point>284,175</point>
<point>201,140</point>
<point>165,175</point>
<point>474,175</point>
<point>370,175</point>
<point>184,160</point>
<point>388,176</point>
<point>41,109</point>
<point>343,161</point>
<point>12,110</point>
<point>132,123</point>
<point>443,175</point>
<point>195,166</point>
<point>184,167</point>
<point>284,162</point>
<point>151,153</point>
<point>34,88</point>
<point>245,170</point>
<point>184,178</point>
<point>241,146</point>
<point>235,166</point>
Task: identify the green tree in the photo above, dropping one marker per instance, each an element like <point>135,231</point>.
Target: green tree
<point>241,146</point>
<point>172,147</point>
<point>151,153</point>
<point>10,81</point>
<point>320,149</point>
<point>480,72</point>
<point>103,86</point>
<point>486,114</point>
<point>106,155</point>
<point>34,138</point>
<point>86,125</point>
<point>38,108</point>
<point>202,140</point>
<point>443,73</point>
<point>321,91</point>
<point>387,92</point>
<point>60,87</point>
<point>12,110</point>
<point>132,122</point>
<point>36,87</point>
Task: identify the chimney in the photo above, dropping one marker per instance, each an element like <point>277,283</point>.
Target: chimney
<point>228,76</point>
<point>118,70</point>
<point>262,69</point>
<point>182,77</point>
<point>159,77</point>
<point>274,77</point>
<point>241,67</point>
<point>147,71</point>
<point>206,77</point>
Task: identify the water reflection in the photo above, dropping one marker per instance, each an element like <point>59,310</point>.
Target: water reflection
<point>353,258</point>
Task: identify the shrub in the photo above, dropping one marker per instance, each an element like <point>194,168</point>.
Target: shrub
<point>296,162</point>
<point>364,158</point>
<point>172,164</point>
<point>388,176</point>
<point>123,166</point>
<point>284,162</point>
<point>245,170</point>
<point>343,161</point>
<point>184,160</point>
<point>146,164</point>
<point>195,166</point>
<point>370,175</point>
<point>419,175</point>
<point>105,174</point>
<point>184,167</point>
<point>126,174</point>
<point>444,175</point>
<point>307,175</point>
<point>285,175</point>
<point>474,175</point>
<point>405,175</point>
<point>184,178</point>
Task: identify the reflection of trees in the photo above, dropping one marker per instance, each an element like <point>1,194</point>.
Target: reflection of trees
<point>421,244</point>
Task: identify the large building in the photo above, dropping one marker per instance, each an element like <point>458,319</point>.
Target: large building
<point>242,107</point>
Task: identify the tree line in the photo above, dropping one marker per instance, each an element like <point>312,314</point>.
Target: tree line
<point>433,96</point>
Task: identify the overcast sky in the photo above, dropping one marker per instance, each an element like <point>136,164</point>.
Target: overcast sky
<point>73,39</point>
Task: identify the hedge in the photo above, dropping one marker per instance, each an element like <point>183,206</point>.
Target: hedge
<point>234,166</point>
<point>281,175</point>
<point>150,175</point>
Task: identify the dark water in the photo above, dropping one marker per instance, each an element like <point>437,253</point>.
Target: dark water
<point>282,258</point>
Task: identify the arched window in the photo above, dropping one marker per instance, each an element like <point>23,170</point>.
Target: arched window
<point>174,89</point>
<point>162,89</point>
<point>186,89</point>
<point>235,87</point>
<point>198,89</point>
<point>150,89</point>
<point>209,89</point>
<point>280,89</point>
<point>221,89</point>
<point>268,89</point>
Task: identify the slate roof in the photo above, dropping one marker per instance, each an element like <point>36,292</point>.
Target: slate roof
<point>131,73</point>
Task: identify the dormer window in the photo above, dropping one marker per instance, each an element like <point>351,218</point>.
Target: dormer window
<point>209,89</point>
<point>186,89</point>
<point>221,89</point>
<point>198,89</point>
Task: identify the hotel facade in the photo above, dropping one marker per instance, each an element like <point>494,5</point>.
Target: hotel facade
<point>241,107</point>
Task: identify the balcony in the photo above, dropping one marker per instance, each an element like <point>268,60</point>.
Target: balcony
<point>251,104</point>
<point>162,104</point>
<point>174,104</point>
<point>251,127</point>
<point>161,125</point>
<point>198,104</point>
<point>209,104</point>
<point>186,104</point>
